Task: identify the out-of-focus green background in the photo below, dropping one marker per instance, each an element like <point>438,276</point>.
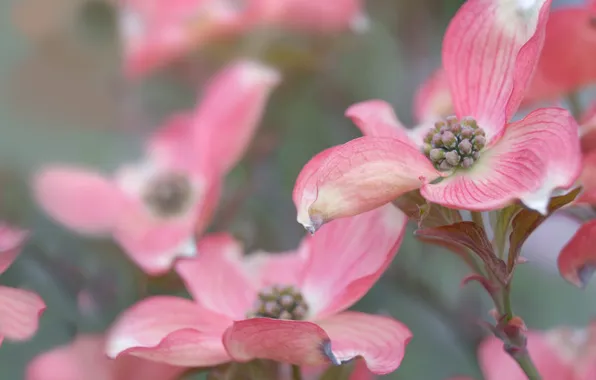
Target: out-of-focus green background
<point>63,100</point>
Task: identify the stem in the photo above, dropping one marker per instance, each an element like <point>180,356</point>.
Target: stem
<point>296,373</point>
<point>522,357</point>
<point>477,218</point>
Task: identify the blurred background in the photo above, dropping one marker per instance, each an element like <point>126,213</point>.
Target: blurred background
<point>63,99</point>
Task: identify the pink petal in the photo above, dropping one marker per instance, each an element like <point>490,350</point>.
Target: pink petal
<point>81,200</point>
<point>565,63</point>
<point>535,156</point>
<point>155,33</point>
<point>230,112</point>
<point>295,342</point>
<point>356,177</point>
<point>11,241</point>
<point>380,341</point>
<point>216,278</point>
<point>376,118</point>
<point>577,260</point>
<point>284,268</point>
<point>361,372</point>
<point>170,330</point>
<point>347,257</point>
<point>433,99</point>
<point>154,244</point>
<point>588,179</point>
<point>498,365</point>
<point>170,145</point>
<point>588,129</point>
<point>489,53</point>
<point>19,313</point>
<point>85,358</point>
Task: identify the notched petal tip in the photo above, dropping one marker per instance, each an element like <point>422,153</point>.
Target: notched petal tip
<point>312,223</point>
<point>585,273</point>
<point>328,352</point>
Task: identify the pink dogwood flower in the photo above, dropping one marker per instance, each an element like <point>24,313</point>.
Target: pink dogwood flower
<point>286,307</point>
<point>561,353</point>
<point>153,208</point>
<point>19,309</point>
<point>85,358</point>
<point>156,32</point>
<point>476,160</point>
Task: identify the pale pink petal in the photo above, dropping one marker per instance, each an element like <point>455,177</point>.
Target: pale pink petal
<point>433,99</point>
<point>283,268</point>
<point>489,53</point>
<point>171,144</point>
<point>157,32</point>
<point>85,358</point>
<point>347,256</point>
<point>155,244</point>
<point>216,277</point>
<point>356,177</point>
<point>81,200</point>
<point>535,156</point>
<point>19,313</point>
<point>207,206</point>
<point>566,60</point>
<point>496,364</point>
<point>170,330</point>
<point>380,341</point>
<point>230,112</point>
<point>295,342</point>
<point>377,118</point>
<point>11,242</point>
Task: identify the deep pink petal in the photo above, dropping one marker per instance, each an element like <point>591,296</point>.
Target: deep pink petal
<point>11,242</point>
<point>348,256</point>
<point>588,179</point>
<point>588,129</point>
<point>433,99</point>
<point>230,112</point>
<point>577,260</point>
<point>565,63</point>
<point>157,32</point>
<point>85,358</point>
<point>216,277</point>
<point>81,200</point>
<point>356,177</point>
<point>380,341</point>
<point>535,156</point>
<point>295,342</point>
<point>19,313</point>
<point>170,330</point>
<point>496,364</point>
<point>285,268</point>
<point>489,53</point>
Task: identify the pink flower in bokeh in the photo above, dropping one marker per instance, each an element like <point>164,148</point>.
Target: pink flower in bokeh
<point>156,32</point>
<point>85,358</point>
<point>19,309</point>
<point>476,160</point>
<point>561,353</point>
<point>287,307</point>
<point>154,208</point>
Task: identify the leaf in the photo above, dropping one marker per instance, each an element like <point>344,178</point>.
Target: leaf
<point>577,260</point>
<point>526,221</point>
<point>471,236</point>
<point>425,213</point>
<point>501,226</point>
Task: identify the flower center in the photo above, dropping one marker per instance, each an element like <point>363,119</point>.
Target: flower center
<point>168,194</point>
<point>279,302</point>
<point>454,143</point>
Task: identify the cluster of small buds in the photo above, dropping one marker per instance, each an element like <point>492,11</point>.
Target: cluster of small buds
<point>280,302</point>
<point>454,143</point>
<point>168,194</point>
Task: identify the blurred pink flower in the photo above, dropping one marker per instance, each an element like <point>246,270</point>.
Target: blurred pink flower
<point>475,160</point>
<point>85,358</point>
<point>153,208</point>
<point>286,307</point>
<point>156,32</point>
<point>19,309</point>
<point>562,353</point>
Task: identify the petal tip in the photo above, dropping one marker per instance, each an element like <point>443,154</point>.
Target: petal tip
<point>584,274</point>
<point>117,346</point>
<point>328,352</point>
<point>311,222</point>
<point>257,72</point>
